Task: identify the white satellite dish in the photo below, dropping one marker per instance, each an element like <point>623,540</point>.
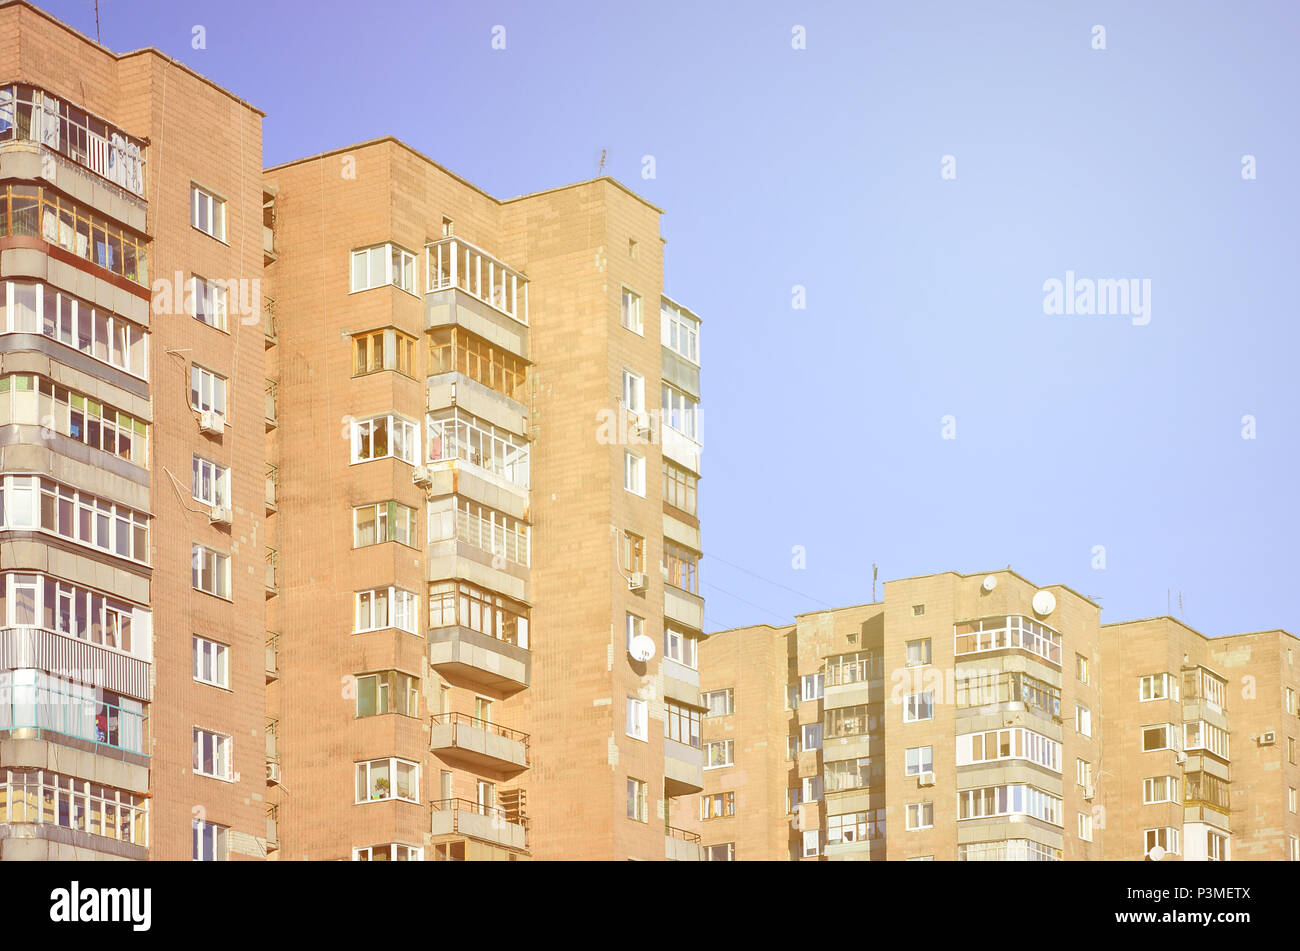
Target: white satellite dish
<point>1044,603</point>
<point>642,648</point>
<point>1156,853</point>
<point>989,583</point>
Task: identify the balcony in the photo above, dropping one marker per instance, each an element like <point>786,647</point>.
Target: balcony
<point>272,751</point>
<point>271,420</point>
<point>484,823</point>
<point>680,448</point>
<point>683,769</point>
<point>52,709</point>
<point>681,845</point>
<point>272,828</point>
<point>455,263</point>
<point>459,737</point>
<point>268,323</point>
<point>272,572</point>
<point>683,607</point>
<point>272,657</point>
<point>468,656</point>
<point>269,253</point>
<point>272,485</point>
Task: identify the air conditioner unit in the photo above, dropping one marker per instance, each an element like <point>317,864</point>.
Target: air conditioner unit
<point>637,582</point>
<point>272,772</point>
<point>422,477</point>
<point>1267,739</point>
<point>642,427</point>
<point>1180,757</point>
<point>211,422</point>
<point>219,515</point>
<point>925,779</point>
<point>1089,792</point>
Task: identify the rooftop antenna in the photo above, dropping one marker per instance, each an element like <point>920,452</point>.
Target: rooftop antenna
<point>1181,616</point>
<point>874,574</point>
<point>599,168</point>
<point>97,39</point>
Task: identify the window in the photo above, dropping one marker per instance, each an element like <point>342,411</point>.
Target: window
<point>381,608</point>
<point>387,349</point>
<point>207,212</point>
<point>680,411</point>
<point>1008,850</point>
<point>211,754</point>
<point>393,852</point>
<point>720,702</point>
<point>1216,846</point>
<point>210,571</point>
<point>389,778</point>
<point>1011,800</point>
<point>792,697</point>
<point>1165,838</point>
<point>855,668</point>
<point>631,312</point>
<point>36,504</point>
<point>383,522</point>
<point>1085,826</point>
<point>918,652</point>
<point>1083,773</point>
<point>383,264</point>
<point>812,736</point>
<point>725,852</point>
<point>680,488</point>
<point>455,434</point>
<point>208,302</point>
<point>455,350</point>
<point>1081,668</point>
<point>1003,632</point>
<point>1290,700</point>
<point>207,391</point>
<point>812,686</point>
<point>850,774</point>
<point>681,648</point>
<point>812,843</point>
<point>455,518</point>
<point>1082,720</point>
<point>1012,743</point>
<point>1159,789</point>
<point>718,753</point>
<point>36,212</point>
<point>1158,687</point>
<point>47,798</point>
<point>855,826</point>
<point>682,724</point>
<point>920,815</point>
<point>388,691</point>
<point>850,721</point>
<point>633,553</point>
<point>209,841</point>
<point>792,746</point>
<point>918,706</point>
<point>679,332</point>
<point>27,399</point>
<point>36,600</point>
<point>633,392</point>
<point>634,627</point>
<point>1291,799</point>
<point>27,307</point>
<point>1290,749</point>
<point>637,806</point>
<point>210,483</point>
<point>681,567</point>
<point>1160,736</point>
<point>988,688</point>
<point>634,472</point>
<point>637,727</point>
<point>718,805</point>
<point>459,602</point>
<point>1202,787</point>
<point>920,759</point>
<point>383,436</point>
<point>211,662</point>
<point>1200,735</point>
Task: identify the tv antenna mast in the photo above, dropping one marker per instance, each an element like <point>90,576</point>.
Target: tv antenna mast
<point>599,168</point>
<point>97,39</point>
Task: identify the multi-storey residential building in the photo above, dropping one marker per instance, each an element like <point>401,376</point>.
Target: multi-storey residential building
<point>471,481</point>
<point>955,719</point>
<point>132,708</point>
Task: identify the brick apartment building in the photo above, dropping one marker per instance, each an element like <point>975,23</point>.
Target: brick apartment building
<point>981,718</point>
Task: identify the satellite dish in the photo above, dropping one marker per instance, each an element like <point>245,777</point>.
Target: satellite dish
<point>989,583</point>
<point>1044,602</point>
<point>642,648</point>
<point>1156,853</point>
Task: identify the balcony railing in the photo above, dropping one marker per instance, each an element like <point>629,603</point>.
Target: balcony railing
<point>453,262</point>
<point>103,722</point>
<point>491,536</point>
<point>272,571</point>
<point>454,719</point>
<point>685,835</point>
<point>268,320</point>
<point>272,657</point>
<point>31,114</point>
<point>454,434</point>
<point>271,388</point>
<point>30,211</point>
<point>272,485</point>
<point>492,823</point>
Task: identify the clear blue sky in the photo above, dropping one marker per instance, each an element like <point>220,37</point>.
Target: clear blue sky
<point>821,167</point>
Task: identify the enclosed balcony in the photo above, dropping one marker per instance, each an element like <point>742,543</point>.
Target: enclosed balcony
<point>455,263</point>
<point>492,824</point>
<point>478,744</point>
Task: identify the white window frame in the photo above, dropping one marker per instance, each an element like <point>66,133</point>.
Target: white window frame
<point>634,472</point>
<point>815,848</point>
<point>1082,720</point>
<point>208,385</point>
<point>730,705</point>
<point>204,203</point>
<point>812,687</point>
<point>362,432</point>
<point>415,853</point>
<point>216,656</point>
<point>1148,684</point>
<point>1158,789</point>
<point>222,753</point>
<point>810,736</point>
<point>926,652</point>
<point>633,391</point>
<point>924,760</point>
<point>399,601</point>
<point>729,753</point>
<point>201,831</point>
<point>681,649</point>
<point>1085,826</point>
<point>199,555</point>
<point>372,263</point>
<point>679,332</point>
<point>210,302</point>
<point>392,762</point>
<point>917,813</point>
<point>1153,837</point>
<point>630,312</point>
<point>914,704</point>
<point>218,477</point>
<point>1172,735</point>
<point>637,723</point>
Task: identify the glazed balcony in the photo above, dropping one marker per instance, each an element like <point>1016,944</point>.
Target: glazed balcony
<point>455,263</point>
<point>478,744</point>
